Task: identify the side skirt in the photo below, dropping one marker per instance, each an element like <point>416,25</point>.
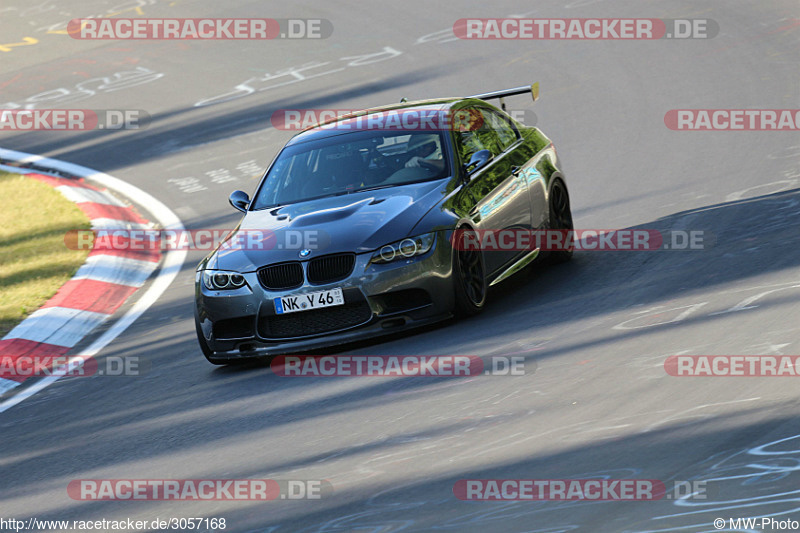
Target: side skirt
<point>516,267</point>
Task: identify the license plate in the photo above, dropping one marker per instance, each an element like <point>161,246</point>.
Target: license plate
<point>308,301</point>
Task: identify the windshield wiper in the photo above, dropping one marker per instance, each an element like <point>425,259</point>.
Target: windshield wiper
<point>376,187</point>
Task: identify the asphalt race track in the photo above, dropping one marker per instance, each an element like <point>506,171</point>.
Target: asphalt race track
<point>595,400</point>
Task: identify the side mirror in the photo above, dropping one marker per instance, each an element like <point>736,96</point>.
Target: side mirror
<point>478,160</point>
<point>239,200</point>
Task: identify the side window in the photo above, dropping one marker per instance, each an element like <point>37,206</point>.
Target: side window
<point>482,129</point>
<point>474,134</point>
<point>505,132</point>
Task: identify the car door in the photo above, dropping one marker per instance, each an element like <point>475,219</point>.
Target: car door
<point>498,192</point>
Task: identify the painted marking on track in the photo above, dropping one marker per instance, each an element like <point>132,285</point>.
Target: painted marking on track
<point>26,41</point>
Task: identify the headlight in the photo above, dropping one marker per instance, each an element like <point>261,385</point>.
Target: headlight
<point>220,280</point>
<point>405,249</point>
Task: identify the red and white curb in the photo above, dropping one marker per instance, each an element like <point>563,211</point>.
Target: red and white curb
<point>104,282</point>
<point>96,291</point>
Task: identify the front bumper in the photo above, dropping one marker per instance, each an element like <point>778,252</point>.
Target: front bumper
<point>379,300</point>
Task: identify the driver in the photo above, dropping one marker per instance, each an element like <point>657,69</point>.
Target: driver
<point>425,151</point>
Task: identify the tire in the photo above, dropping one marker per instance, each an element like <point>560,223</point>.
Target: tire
<point>469,280</point>
<point>560,218</point>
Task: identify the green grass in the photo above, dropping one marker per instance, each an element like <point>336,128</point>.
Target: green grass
<point>34,261</point>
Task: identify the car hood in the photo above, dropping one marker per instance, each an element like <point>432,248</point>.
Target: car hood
<point>357,222</point>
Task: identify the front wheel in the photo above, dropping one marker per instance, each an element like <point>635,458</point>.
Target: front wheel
<point>469,280</point>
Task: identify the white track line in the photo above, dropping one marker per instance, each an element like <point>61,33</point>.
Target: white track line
<point>173,260</point>
<point>60,326</point>
<point>81,194</point>
<point>99,224</point>
<point>117,270</point>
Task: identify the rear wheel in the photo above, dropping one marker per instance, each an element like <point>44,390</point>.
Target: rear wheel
<point>469,280</point>
<point>560,219</point>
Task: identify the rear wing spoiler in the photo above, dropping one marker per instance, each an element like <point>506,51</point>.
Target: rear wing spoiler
<point>533,89</point>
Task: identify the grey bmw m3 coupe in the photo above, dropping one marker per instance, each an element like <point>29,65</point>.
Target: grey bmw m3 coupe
<point>354,229</point>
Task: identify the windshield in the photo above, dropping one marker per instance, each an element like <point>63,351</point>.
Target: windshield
<point>350,163</point>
